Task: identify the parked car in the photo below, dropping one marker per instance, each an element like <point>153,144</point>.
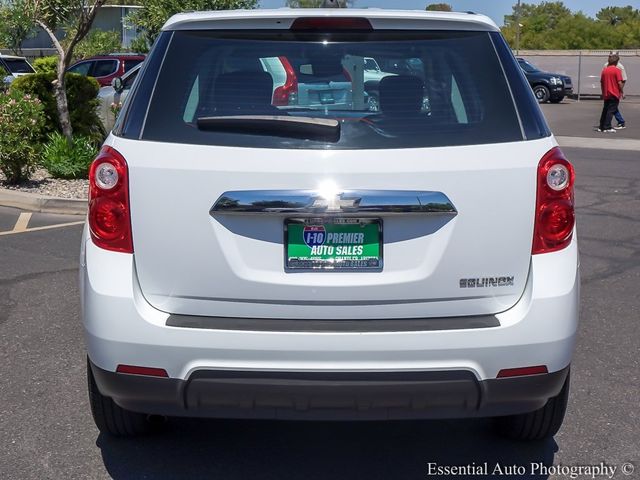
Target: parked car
<point>295,81</point>
<point>12,67</point>
<point>547,87</point>
<point>249,260</point>
<point>105,68</point>
<point>115,95</point>
<point>305,81</point>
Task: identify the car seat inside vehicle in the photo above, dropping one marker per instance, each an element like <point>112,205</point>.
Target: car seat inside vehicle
<point>243,93</point>
<point>401,96</point>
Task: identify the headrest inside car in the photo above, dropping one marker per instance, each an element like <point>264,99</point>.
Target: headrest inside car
<point>401,95</point>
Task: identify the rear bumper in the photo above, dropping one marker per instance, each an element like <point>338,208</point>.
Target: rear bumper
<point>329,395</point>
<point>395,369</point>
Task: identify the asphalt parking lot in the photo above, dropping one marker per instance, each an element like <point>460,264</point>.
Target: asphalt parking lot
<point>47,432</point>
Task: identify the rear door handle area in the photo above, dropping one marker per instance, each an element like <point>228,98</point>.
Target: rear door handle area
<point>346,203</point>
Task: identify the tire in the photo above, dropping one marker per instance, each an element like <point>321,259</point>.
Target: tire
<point>112,419</point>
<point>556,100</point>
<point>542,93</point>
<point>538,425</point>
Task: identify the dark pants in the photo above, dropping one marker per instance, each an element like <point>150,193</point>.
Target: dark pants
<point>619,117</point>
<point>608,110</point>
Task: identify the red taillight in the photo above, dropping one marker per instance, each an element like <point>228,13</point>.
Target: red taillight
<point>523,371</point>
<point>555,215</point>
<point>136,370</point>
<point>283,94</point>
<point>331,23</point>
<point>109,215</point>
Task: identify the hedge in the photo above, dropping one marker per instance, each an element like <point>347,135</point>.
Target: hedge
<point>45,64</point>
<point>82,94</point>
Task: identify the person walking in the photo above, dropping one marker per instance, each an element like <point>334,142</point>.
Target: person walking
<point>612,87</point>
<point>619,118</point>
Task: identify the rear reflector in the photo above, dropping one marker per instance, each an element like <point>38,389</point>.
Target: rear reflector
<point>135,370</point>
<point>523,371</point>
<point>331,23</point>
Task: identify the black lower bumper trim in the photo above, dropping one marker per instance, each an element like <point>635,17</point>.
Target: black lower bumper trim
<point>329,395</point>
<point>306,325</point>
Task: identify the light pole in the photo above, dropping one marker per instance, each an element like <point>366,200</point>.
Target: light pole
<point>518,28</point>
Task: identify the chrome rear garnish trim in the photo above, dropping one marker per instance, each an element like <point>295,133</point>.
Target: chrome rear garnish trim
<point>349,202</point>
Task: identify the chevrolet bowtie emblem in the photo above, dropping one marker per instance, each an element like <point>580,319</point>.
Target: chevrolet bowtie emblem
<point>335,203</point>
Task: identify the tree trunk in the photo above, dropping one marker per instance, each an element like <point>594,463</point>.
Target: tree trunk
<point>59,84</point>
<point>60,92</point>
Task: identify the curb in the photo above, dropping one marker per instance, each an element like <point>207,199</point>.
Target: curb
<point>602,143</point>
<point>41,203</point>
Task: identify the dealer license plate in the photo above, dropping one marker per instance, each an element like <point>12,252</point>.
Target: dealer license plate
<point>333,244</point>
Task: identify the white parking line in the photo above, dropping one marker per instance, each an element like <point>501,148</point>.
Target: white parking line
<point>36,229</point>
<point>22,223</point>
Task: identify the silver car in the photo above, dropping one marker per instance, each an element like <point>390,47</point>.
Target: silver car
<point>12,67</point>
<point>112,97</point>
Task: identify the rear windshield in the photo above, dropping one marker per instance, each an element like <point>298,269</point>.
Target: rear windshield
<point>387,89</point>
<point>18,65</point>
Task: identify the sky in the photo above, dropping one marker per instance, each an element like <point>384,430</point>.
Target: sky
<point>496,9</point>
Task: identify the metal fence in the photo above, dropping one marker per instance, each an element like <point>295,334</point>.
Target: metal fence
<point>585,66</point>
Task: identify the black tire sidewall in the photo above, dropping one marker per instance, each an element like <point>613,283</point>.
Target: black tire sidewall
<point>542,88</point>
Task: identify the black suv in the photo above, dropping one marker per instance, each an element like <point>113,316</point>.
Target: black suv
<point>548,87</point>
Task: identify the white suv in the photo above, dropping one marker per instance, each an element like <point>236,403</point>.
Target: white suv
<point>246,259</point>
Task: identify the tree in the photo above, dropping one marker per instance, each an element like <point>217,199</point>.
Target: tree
<point>439,7</point>
<point>155,13</point>
<point>551,25</point>
<point>15,25</point>
<point>617,15</point>
<point>97,42</point>
<point>77,17</point>
<point>318,3</point>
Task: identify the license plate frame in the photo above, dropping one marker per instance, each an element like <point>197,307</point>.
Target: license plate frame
<point>309,264</point>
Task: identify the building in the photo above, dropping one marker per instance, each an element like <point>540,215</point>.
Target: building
<point>109,17</point>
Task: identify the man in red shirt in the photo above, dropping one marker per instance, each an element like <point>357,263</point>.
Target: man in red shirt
<point>612,85</point>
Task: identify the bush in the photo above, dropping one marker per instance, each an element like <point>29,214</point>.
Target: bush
<point>81,96</point>
<point>97,42</point>
<point>64,160</point>
<point>139,44</point>
<point>46,64</point>
<point>22,120</point>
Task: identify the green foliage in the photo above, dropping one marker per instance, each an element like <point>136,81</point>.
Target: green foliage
<point>21,124</point>
<point>76,16</point>
<point>551,25</point>
<point>439,7</point>
<point>155,13</point>
<point>139,44</point>
<point>97,42</point>
<point>46,64</point>
<point>81,94</point>
<point>15,25</point>
<point>317,3</point>
<point>617,15</point>
<point>64,159</point>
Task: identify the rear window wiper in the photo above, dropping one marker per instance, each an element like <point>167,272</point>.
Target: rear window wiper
<point>305,128</point>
